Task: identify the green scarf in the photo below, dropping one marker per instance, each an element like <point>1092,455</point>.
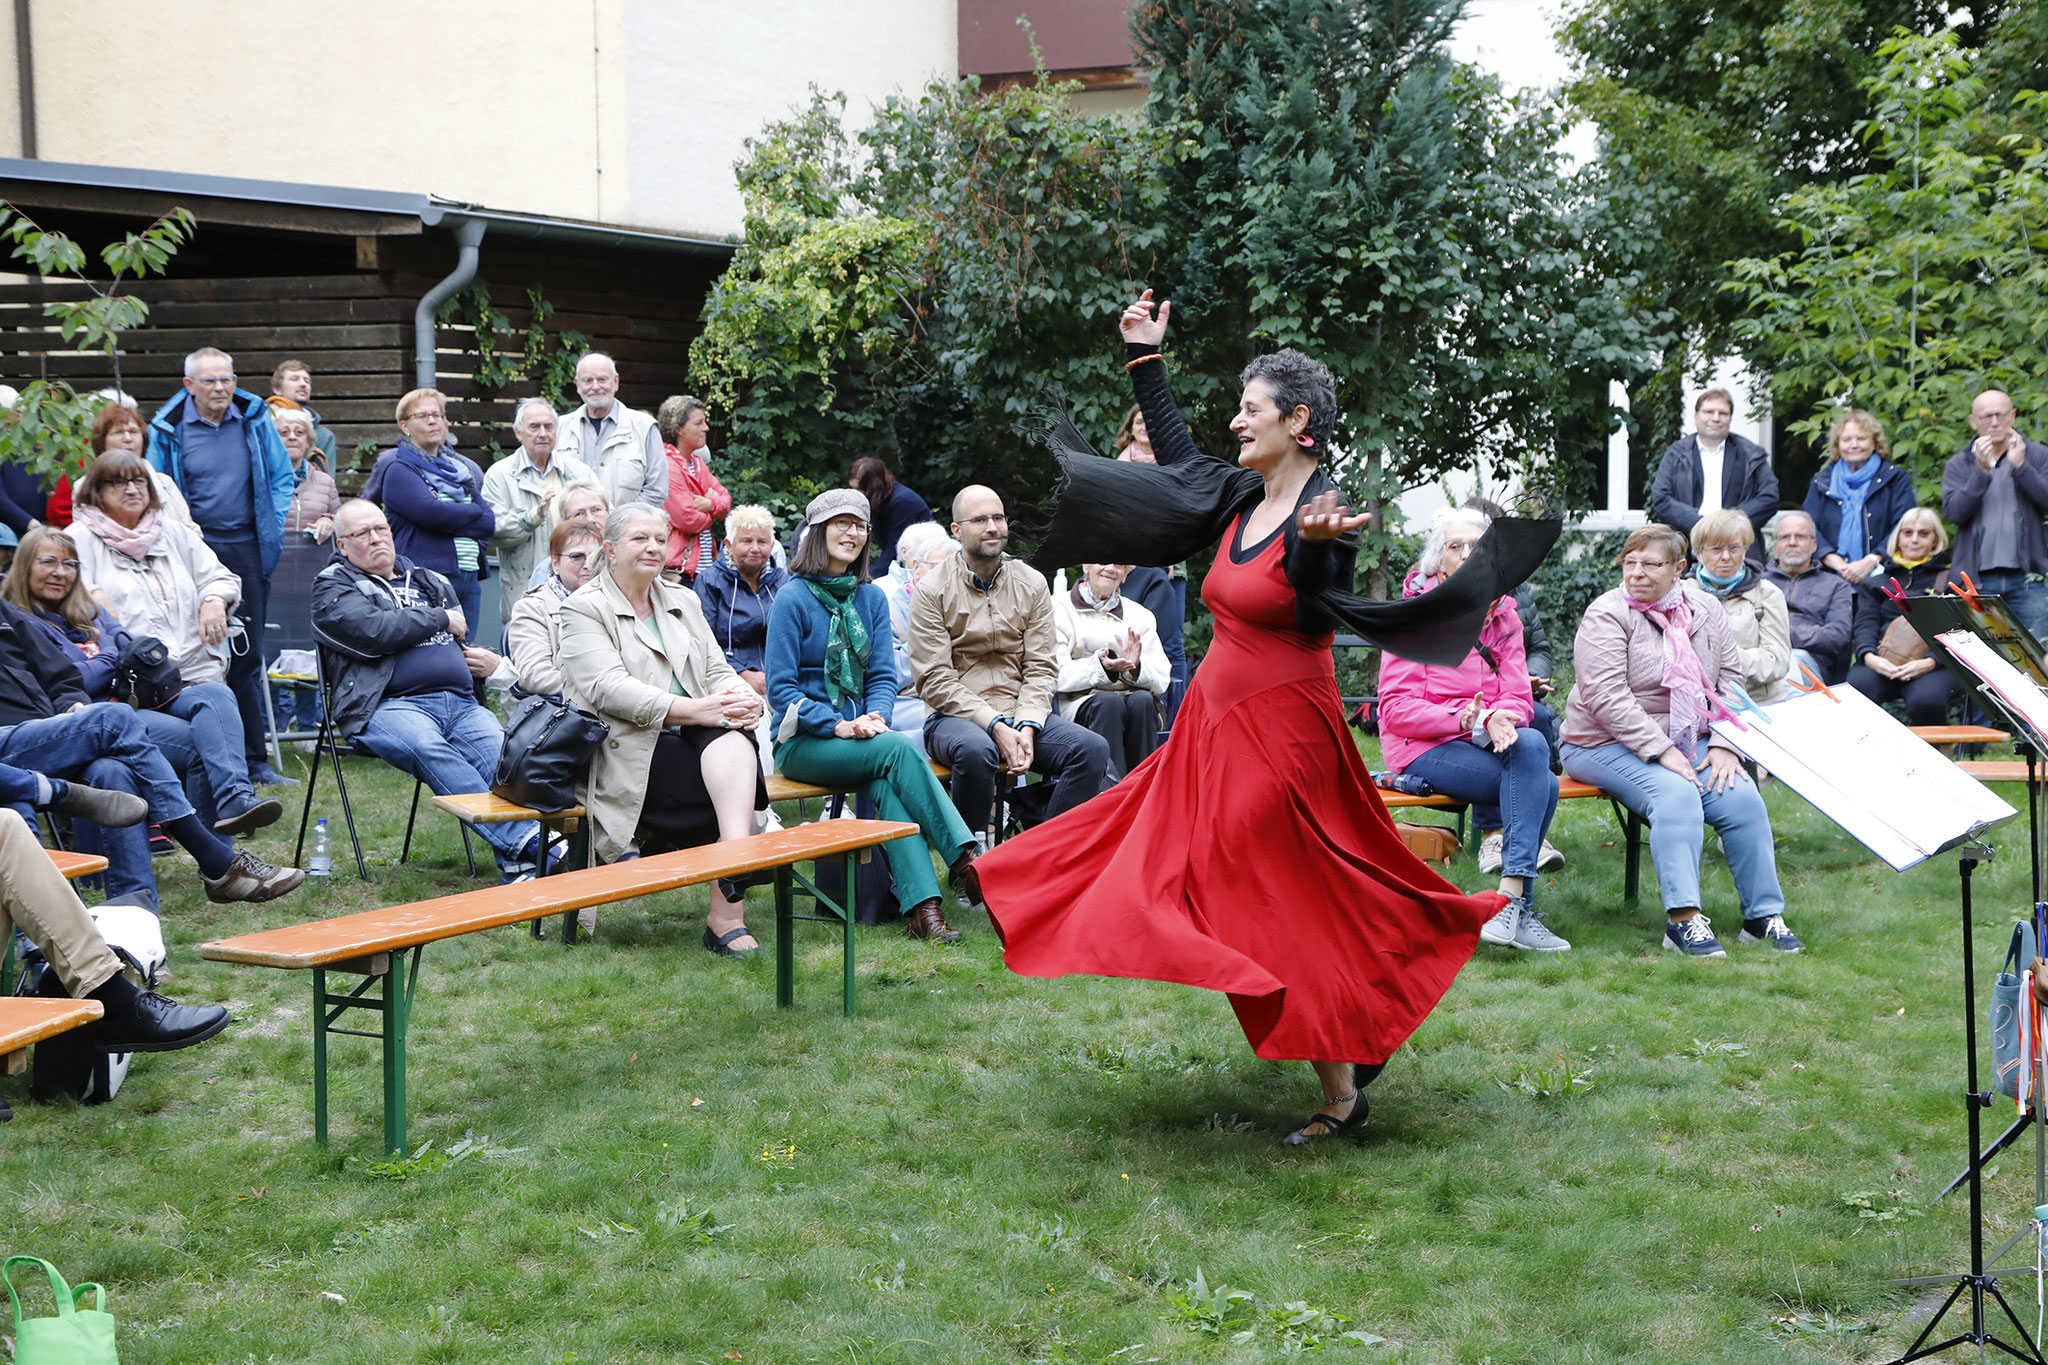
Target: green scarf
<point>846,648</point>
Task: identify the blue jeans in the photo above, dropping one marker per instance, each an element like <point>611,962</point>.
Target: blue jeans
<point>1518,783</point>
<point>2028,597</point>
<point>449,742</point>
<point>104,745</point>
<point>1486,814</point>
<point>203,722</point>
<point>1677,814</point>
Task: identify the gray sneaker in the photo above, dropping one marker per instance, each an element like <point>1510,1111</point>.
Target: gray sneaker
<point>1548,859</point>
<point>1535,936</point>
<point>251,879</point>
<point>1490,845</point>
<point>1501,928</point>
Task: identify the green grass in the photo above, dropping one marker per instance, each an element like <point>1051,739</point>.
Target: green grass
<point>981,1167</point>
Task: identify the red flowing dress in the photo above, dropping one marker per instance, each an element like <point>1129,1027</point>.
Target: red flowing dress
<point>1249,854</point>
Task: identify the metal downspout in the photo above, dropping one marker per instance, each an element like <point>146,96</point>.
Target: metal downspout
<point>25,79</point>
<point>469,233</point>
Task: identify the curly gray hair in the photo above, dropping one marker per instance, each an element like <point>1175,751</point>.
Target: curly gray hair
<point>1440,531</point>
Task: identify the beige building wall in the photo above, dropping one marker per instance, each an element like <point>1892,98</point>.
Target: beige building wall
<point>628,111</point>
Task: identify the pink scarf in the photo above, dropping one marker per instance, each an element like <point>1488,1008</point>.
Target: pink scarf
<point>136,543</point>
<point>1685,678</point>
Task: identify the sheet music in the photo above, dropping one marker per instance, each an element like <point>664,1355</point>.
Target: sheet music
<point>2013,687</point>
<point>1886,787</point>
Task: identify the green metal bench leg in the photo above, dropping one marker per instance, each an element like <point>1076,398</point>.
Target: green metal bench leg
<point>397,1017</point>
<point>785,934</point>
<point>320,1022</point>
<point>1632,861</point>
<point>846,927</point>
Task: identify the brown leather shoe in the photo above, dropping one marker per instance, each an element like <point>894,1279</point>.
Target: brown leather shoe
<point>926,921</point>
<point>966,881</point>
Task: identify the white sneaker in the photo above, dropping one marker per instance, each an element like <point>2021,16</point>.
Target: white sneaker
<point>1501,928</point>
<point>1534,935</point>
<point>1548,859</point>
<point>1489,850</point>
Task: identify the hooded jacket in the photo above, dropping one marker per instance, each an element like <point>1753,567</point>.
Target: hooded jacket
<point>738,615</point>
<point>1891,496</point>
<point>270,465</point>
<point>1420,704</point>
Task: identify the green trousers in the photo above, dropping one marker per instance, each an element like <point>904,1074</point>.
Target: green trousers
<point>896,777</point>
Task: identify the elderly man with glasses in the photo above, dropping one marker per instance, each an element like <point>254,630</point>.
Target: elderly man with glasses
<point>1819,602</point>
<point>1995,490</point>
<point>400,676</point>
<point>219,446</point>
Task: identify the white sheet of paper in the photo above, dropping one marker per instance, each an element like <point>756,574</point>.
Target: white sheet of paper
<point>1885,786</point>
<point>2018,691</point>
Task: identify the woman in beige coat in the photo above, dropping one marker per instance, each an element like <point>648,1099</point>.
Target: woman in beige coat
<point>1758,618</point>
<point>679,768</point>
<point>1649,660</point>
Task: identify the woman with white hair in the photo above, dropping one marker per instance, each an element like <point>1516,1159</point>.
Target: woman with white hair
<point>679,768</point>
<point>1892,662</point>
<point>923,546</point>
<point>315,499</point>
<point>524,491</point>
<point>1466,732</point>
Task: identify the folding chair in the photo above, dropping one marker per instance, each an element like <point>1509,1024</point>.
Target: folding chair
<point>326,740</point>
<point>288,625</point>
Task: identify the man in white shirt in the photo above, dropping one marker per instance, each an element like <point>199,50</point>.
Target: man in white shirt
<point>621,445</point>
<point>1712,469</point>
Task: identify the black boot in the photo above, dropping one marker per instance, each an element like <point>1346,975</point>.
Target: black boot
<point>107,809</point>
<point>143,1021</point>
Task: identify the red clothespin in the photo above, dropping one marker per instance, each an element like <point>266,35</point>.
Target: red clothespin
<point>1892,590</point>
<point>1814,684</point>
<point>1964,588</point>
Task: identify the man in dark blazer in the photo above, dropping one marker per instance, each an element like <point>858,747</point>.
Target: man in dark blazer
<point>1678,495</point>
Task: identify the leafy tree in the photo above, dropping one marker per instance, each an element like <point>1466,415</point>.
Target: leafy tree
<point>1916,286</point>
<point>910,294</point>
<point>47,429</point>
<point>1346,189</point>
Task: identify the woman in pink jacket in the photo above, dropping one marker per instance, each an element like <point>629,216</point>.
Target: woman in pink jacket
<point>1466,732</point>
<point>1650,657</point>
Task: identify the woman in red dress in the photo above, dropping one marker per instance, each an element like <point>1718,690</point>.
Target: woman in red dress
<point>1251,854</point>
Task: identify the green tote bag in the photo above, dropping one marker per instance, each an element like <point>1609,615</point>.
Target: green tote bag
<point>76,1336</point>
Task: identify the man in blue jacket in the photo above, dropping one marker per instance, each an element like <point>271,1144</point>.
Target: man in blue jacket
<point>219,446</point>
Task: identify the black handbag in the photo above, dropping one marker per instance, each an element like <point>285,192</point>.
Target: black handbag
<point>548,745</point>
<point>144,675</point>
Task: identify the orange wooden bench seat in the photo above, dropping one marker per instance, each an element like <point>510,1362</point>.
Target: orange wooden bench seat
<point>782,788</point>
<point>1995,769</point>
<point>26,1021</point>
<point>1941,736</point>
<point>488,808</point>
<point>76,865</point>
<point>385,944</point>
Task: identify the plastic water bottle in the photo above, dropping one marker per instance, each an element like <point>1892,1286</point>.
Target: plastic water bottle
<point>322,862</point>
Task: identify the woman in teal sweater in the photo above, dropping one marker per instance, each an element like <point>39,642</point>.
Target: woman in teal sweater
<point>832,689</point>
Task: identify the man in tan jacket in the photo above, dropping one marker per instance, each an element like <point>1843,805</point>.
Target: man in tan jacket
<point>985,658</point>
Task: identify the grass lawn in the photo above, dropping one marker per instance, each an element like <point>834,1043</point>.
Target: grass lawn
<point>652,1163</point>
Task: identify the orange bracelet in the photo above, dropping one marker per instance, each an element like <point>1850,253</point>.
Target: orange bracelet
<point>1132,365</point>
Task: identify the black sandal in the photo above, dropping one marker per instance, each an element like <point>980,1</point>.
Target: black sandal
<point>1329,1125</point>
<point>721,944</point>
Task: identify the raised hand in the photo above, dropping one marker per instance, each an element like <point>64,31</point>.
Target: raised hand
<point>1138,324</point>
<point>1325,517</point>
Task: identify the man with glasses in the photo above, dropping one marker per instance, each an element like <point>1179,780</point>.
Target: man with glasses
<point>1821,604</point>
<point>219,446</point>
<point>1711,469</point>
<point>400,677</point>
<point>621,445</point>
<point>1996,491</point>
<point>986,660</point>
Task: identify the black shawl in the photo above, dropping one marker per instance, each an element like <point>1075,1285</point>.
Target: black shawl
<point>1112,511</point>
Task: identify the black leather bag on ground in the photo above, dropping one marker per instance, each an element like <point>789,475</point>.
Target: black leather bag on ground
<point>144,675</point>
<point>547,748</point>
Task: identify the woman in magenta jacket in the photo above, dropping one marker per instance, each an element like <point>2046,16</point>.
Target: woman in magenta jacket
<point>1466,732</point>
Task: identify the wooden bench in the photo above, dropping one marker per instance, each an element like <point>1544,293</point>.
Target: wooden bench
<point>1948,736</point>
<point>1995,769</point>
<point>25,1021</point>
<point>384,945</point>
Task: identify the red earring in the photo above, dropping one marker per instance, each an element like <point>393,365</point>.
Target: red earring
<point>1305,440</point>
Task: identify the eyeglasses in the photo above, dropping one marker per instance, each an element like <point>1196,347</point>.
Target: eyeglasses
<point>989,519</point>
<point>369,531</point>
<point>1636,564</point>
<point>1463,547</point>
<point>132,481</point>
<point>52,562</point>
<point>426,414</point>
<point>215,380</point>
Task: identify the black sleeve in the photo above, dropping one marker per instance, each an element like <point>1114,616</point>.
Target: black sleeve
<point>51,665</point>
<point>1535,639</point>
<point>1168,430</point>
<point>21,499</point>
<point>1314,567</point>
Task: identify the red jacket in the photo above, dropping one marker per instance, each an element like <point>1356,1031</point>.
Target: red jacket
<point>1420,703</point>
<point>690,477</point>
